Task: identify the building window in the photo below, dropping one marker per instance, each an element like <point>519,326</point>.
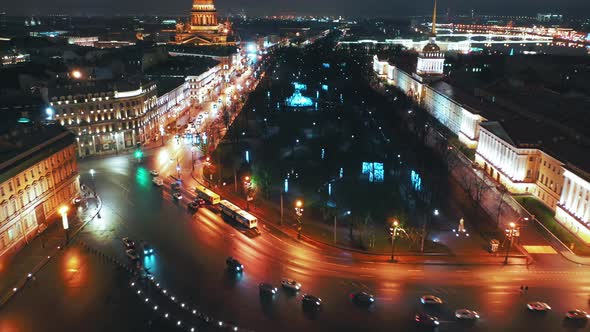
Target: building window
<point>18,181</point>
<point>542,177</point>
<point>2,191</point>
<point>531,158</point>
<point>11,234</point>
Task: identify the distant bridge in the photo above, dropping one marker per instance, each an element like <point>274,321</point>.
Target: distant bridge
<point>497,38</point>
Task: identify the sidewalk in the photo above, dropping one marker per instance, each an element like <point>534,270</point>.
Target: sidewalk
<point>268,214</point>
<point>41,249</point>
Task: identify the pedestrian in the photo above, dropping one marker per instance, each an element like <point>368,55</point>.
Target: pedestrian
<point>526,289</point>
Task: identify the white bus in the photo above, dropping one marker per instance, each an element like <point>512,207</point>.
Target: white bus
<point>208,195</point>
<point>237,214</point>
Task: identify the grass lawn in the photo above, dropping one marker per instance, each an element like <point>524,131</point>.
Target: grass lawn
<point>547,217</point>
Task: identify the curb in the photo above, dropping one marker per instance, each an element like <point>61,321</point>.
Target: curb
<point>39,266</point>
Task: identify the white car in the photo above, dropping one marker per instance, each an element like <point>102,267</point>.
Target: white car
<point>431,299</point>
<point>177,195</point>
<point>466,314</point>
<point>291,284</point>
<point>158,181</point>
<point>132,254</point>
<point>154,172</point>
<point>538,306</point>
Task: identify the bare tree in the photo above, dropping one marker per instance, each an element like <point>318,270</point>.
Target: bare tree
<point>479,188</point>
<point>503,191</point>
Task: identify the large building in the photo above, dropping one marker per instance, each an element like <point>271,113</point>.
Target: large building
<point>38,174</point>
<point>107,117</point>
<point>527,153</point>
<point>204,27</point>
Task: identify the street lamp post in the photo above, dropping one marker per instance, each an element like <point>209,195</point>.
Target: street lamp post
<point>247,187</point>
<point>64,220</point>
<point>299,213</point>
<point>393,231</point>
<point>511,233</point>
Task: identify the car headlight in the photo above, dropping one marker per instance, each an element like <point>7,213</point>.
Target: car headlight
<point>371,299</point>
<point>145,252</point>
<point>422,300</point>
<point>436,322</point>
<point>317,302</point>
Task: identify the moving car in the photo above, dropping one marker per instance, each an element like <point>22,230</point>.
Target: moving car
<point>147,249</point>
<point>158,181</point>
<point>154,172</point>
<point>200,201</point>
<point>311,301</point>
<point>426,320</point>
<point>577,314</point>
<point>132,254</point>
<point>431,299</point>
<point>290,284</point>
<point>128,243</point>
<point>267,289</point>
<point>363,298</point>
<point>193,206</point>
<point>538,306</point>
<point>466,314</point>
<point>234,265</point>
<point>177,195</point>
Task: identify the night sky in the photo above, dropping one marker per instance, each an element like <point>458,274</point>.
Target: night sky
<point>266,7</point>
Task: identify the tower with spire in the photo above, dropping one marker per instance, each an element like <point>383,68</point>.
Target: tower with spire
<point>431,60</point>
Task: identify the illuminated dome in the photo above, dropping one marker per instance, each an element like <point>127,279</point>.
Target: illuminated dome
<point>431,48</point>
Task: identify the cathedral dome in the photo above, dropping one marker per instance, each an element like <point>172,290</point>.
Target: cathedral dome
<point>431,48</point>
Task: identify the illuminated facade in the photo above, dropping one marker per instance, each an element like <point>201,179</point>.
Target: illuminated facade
<point>573,210</point>
<point>34,182</point>
<point>105,119</point>
<point>204,27</point>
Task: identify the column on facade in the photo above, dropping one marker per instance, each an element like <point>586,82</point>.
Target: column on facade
<point>586,214</point>
<point>581,206</point>
<point>570,195</point>
<point>565,191</point>
<point>514,165</point>
<point>575,197</point>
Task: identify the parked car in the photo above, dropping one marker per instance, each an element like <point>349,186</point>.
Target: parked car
<point>132,254</point>
<point>194,207</point>
<point>154,172</point>
<point>128,243</point>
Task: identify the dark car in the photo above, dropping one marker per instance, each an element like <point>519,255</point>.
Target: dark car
<point>426,320</point>
<point>199,201</point>
<point>147,249</point>
<point>234,265</point>
<point>267,289</point>
<point>193,206</point>
<point>310,301</point>
<point>128,243</point>
<point>362,298</point>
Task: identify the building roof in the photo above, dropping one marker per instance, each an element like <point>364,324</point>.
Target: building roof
<point>25,144</point>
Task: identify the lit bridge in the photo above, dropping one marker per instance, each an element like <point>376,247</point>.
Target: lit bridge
<point>496,38</point>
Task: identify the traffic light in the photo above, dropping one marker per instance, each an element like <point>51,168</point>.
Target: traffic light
<point>138,154</point>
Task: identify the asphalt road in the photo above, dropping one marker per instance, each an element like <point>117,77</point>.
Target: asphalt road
<point>191,252</point>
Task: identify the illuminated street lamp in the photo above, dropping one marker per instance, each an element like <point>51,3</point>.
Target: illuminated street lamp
<point>299,213</point>
<point>393,232</point>
<point>76,74</point>
<point>511,232</point>
<point>64,220</point>
<point>248,190</point>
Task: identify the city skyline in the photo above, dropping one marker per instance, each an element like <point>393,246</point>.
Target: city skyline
<point>371,8</point>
